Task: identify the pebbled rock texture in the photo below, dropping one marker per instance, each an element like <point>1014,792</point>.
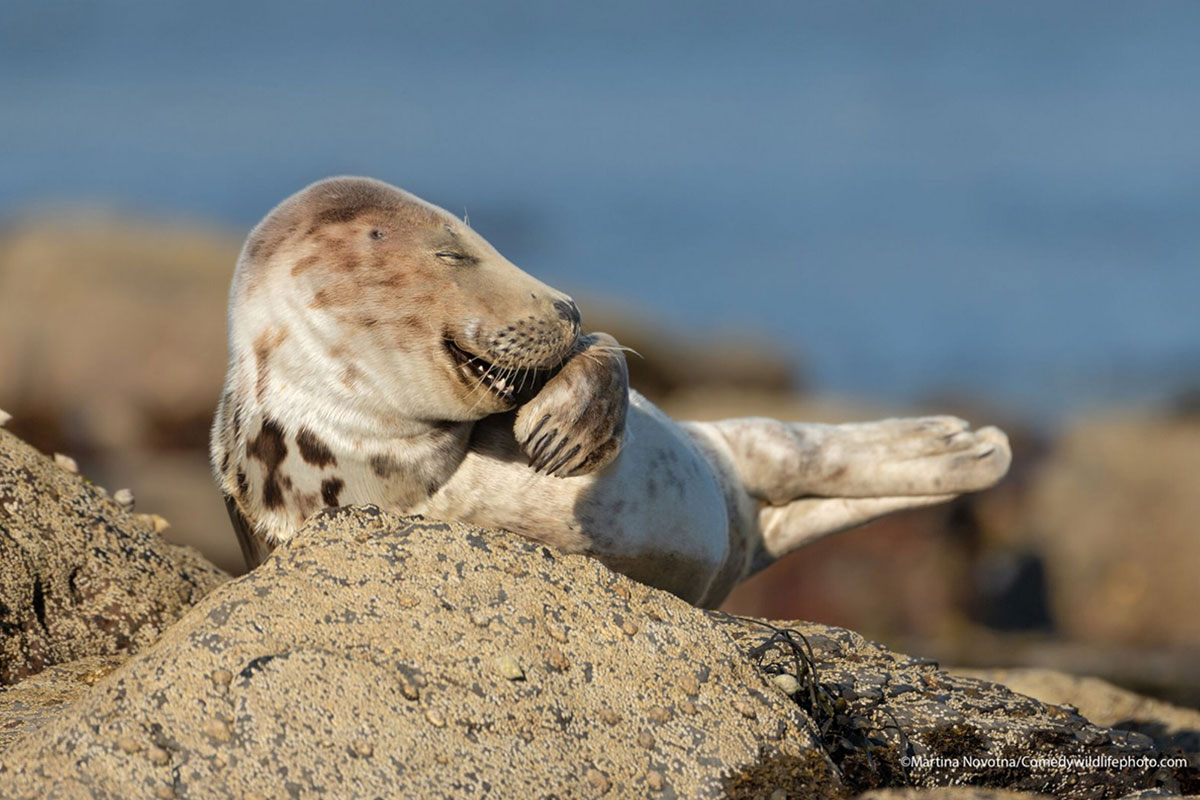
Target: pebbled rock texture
<point>79,576</point>
<point>889,720</point>
<point>1174,729</point>
<point>378,655</point>
<point>29,704</point>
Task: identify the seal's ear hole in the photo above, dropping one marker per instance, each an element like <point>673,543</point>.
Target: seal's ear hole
<point>376,234</point>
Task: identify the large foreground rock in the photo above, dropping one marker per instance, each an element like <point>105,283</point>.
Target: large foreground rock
<point>383,656</point>
<point>78,575</point>
<point>376,656</point>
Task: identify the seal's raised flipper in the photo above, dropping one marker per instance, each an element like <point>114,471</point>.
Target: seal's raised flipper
<point>779,462</point>
<point>575,424</point>
<point>254,548</point>
<point>811,480</point>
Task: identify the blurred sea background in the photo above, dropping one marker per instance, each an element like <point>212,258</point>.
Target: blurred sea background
<point>992,198</point>
<point>988,208</point>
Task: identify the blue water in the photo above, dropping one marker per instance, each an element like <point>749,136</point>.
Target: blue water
<point>999,199</point>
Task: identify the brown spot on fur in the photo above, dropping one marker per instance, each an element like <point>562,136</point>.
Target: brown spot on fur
<point>264,345</point>
<point>423,300</point>
<point>304,264</point>
<point>313,450</point>
<point>261,353</point>
<point>341,293</point>
<point>243,486</point>
<point>343,202</point>
<point>408,328</point>
<point>269,448</point>
<point>391,280</point>
<point>331,490</point>
<point>330,202</point>
<point>838,473</point>
<point>306,502</point>
<point>265,242</point>
<point>339,214</point>
<point>350,376</point>
<point>383,466</point>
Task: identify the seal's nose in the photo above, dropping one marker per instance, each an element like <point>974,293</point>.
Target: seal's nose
<point>569,312</point>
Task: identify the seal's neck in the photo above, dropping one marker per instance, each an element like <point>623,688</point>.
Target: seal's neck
<point>295,434</point>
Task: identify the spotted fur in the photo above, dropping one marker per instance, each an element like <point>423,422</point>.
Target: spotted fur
<point>383,352</point>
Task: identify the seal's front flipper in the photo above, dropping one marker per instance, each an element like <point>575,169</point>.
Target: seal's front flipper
<point>575,424</point>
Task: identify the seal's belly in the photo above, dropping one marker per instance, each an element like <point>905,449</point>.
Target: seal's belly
<point>657,513</point>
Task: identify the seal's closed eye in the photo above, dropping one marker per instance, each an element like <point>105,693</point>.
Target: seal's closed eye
<point>452,257</point>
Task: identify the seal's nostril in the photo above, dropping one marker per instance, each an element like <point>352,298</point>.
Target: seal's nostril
<point>568,311</point>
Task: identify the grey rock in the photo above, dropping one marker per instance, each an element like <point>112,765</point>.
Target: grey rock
<point>79,576</point>
<point>1173,729</point>
<point>942,729</point>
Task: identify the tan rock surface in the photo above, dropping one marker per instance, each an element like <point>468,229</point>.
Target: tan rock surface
<point>79,576</point>
<point>377,655</point>
<point>113,329</point>
<point>114,353</point>
<point>1116,511</point>
<point>1098,700</point>
<point>28,705</point>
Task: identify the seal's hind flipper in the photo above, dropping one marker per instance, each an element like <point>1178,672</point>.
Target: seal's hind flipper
<point>254,548</point>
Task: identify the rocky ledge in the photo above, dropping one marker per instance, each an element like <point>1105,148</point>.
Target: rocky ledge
<point>79,574</point>
<point>380,655</point>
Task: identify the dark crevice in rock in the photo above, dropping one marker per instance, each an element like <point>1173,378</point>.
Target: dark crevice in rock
<point>256,664</point>
<point>39,602</point>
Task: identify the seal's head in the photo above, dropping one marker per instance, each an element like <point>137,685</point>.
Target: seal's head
<point>357,288</point>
